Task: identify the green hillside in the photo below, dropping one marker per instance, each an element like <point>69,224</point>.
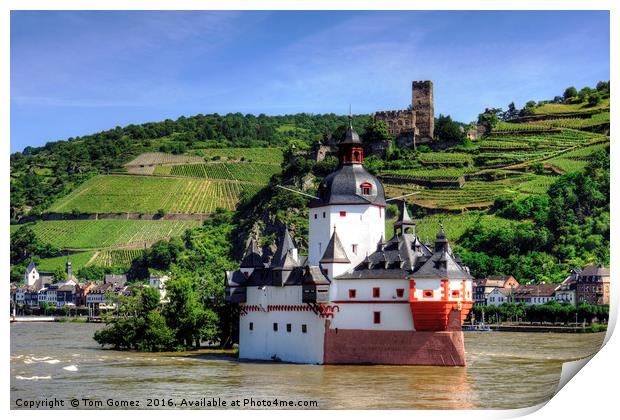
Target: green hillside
<point>108,233</point>
<point>487,190</point>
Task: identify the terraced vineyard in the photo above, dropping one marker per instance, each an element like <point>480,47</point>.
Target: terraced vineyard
<point>116,258</point>
<point>454,224</point>
<point>259,173</point>
<point>459,159</point>
<point>552,108</point>
<point>269,155</point>
<point>105,233</point>
<point>473,194</point>
<point>148,194</point>
<point>157,158</point>
<point>576,123</point>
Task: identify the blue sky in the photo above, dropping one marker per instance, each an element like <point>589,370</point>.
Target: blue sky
<point>79,72</point>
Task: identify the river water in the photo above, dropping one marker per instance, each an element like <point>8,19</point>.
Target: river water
<point>505,370</point>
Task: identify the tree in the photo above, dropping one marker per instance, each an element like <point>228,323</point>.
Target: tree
<point>186,315</point>
<point>448,130</point>
<point>512,111</point>
<point>60,275</point>
<point>570,92</point>
<point>377,132</point>
<point>600,86</point>
<point>489,118</point>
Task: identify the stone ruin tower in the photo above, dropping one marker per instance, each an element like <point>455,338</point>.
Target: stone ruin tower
<point>416,124</point>
<point>422,105</point>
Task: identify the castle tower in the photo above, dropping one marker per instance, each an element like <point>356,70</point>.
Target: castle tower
<point>350,200</point>
<point>422,104</point>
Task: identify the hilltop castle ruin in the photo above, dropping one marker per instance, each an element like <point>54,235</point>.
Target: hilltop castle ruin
<point>416,123</point>
<point>411,126</point>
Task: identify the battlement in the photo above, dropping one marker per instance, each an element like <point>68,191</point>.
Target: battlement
<point>393,113</point>
<point>399,122</point>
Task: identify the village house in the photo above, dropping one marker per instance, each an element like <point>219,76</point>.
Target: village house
<point>484,287</point>
<point>500,295</point>
<point>593,285</point>
<point>118,280</point>
<point>98,297</point>
<point>65,295</point>
<point>567,292</point>
<point>81,291</point>
<point>535,294</point>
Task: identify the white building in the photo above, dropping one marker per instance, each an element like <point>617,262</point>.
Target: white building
<point>32,274</point>
<point>158,281</point>
<point>499,295</point>
<point>355,298</point>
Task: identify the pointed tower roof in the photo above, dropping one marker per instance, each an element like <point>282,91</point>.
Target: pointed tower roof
<point>30,267</point>
<point>253,256</point>
<point>404,220</point>
<point>351,136</point>
<point>287,244</point>
<point>334,253</point>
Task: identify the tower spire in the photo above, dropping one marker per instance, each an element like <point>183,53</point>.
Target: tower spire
<point>350,118</point>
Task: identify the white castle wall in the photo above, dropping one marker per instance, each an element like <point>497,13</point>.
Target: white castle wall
<point>363,225</point>
<point>262,343</point>
<point>394,316</point>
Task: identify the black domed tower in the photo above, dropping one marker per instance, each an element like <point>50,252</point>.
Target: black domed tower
<point>351,200</point>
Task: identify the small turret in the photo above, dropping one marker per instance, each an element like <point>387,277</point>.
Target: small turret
<point>252,258</point>
<point>335,260</point>
<point>334,253</point>
<point>441,242</point>
<point>287,253</point>
<point>404,224</point>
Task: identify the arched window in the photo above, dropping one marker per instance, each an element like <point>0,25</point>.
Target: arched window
<point>366,188</point>
<point>356,156</point>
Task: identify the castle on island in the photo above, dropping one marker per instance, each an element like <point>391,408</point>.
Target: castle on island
<point>414,125</point>
<point>356,298</point>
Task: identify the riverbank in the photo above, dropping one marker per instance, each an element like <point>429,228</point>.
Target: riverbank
<point>546,329</point>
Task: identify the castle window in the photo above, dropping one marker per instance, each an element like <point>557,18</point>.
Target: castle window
<point>323,215</point>
<point>376,292</point>
<point>354,248</point>
<point>356,156</point>
<point>343,214</point>
<point>304,328</point>
<point>366,188</point>
<point>400,292</point>
<point>251,326</point>
<point>289,327</point>
<point>429,293</point>
<point>377,317</point>
<point>352,293</point>
<point>275,326</point>
<point>316,215</point>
